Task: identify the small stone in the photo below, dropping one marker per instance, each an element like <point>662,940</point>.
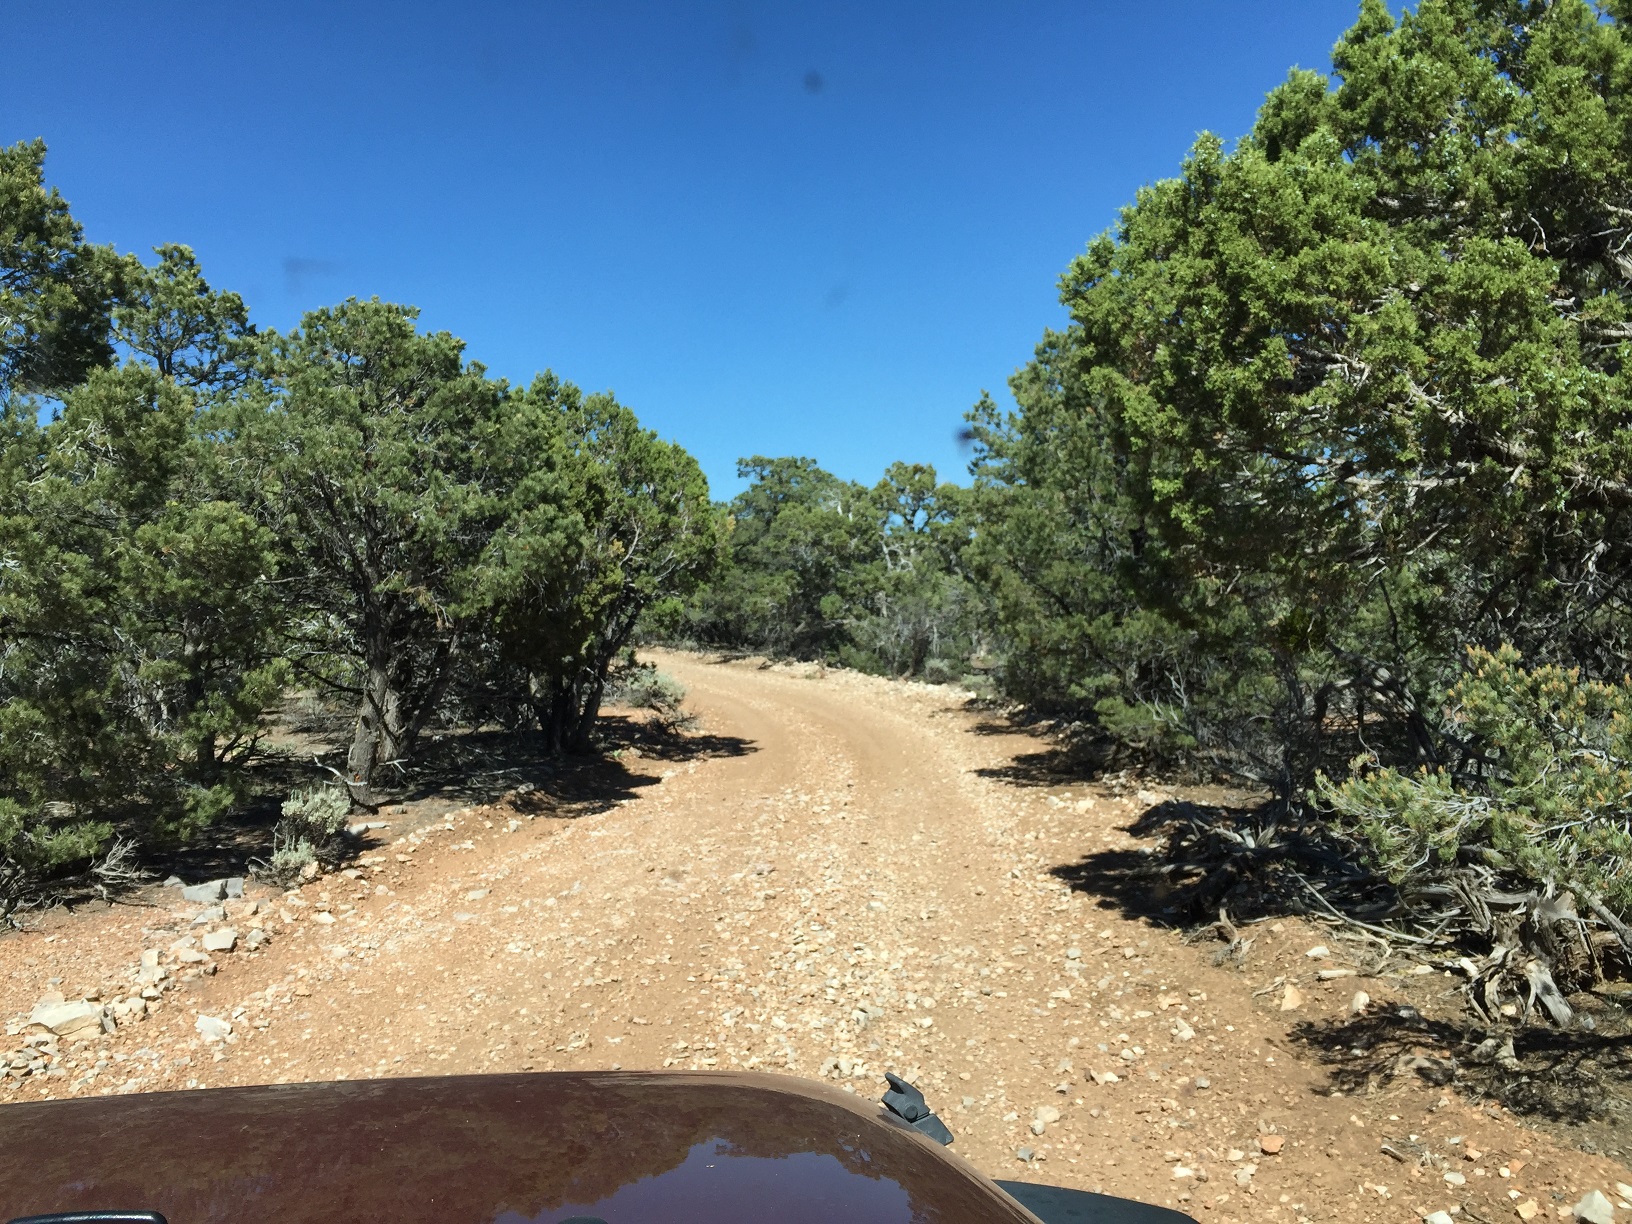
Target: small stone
<point>1073,954</point>
<point>323,917</point>
<point>190,956</point>
<point>1456,1179</point>
<point>150,958</point>
<point>1529,1209</point>
<point>256,938</point>
<point>309,870</point>
<point>1331,975</point>
<point>1438,1217</point>
<point>204,893</point>
<point>1046,1114</point>
<point>1025,1154</point>
<point>476,894</point>
<point>1038,1126</point>
<point>1624,1190</point>
<point>1359,1003</point>
<point>224,940</point>
<point>213,913</point>
<point>1318,952</point>
<point>1594,1208</point>
<point>172,882</point>
<point>1271,1145</point>
<point>234,886</point>
<point>213,1028</point>
<point>1291,998</point>
<point>1203,1082</point>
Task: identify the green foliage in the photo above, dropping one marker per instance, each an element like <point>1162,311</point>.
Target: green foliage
<point>821,568</point>
<point>1540,791</point>
<point>133,631</point>
<point>1336,404</point>
<point>642,687</point>
<point>367,441</point>
<point>796,539</point>
<point>311,822</point>
<point>136,653</point>
<point>170,318</point>
<point>352,504</point>
<point>55,291</point>
<point>617,522</point>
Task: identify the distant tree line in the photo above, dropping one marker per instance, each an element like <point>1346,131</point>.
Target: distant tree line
<point>816,567</point>
<point>196,514</point>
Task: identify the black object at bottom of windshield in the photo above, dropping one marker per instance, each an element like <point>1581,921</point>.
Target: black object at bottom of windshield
<point>1057,1205</point>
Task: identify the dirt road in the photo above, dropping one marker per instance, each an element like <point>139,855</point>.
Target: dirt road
<point>850,879</point>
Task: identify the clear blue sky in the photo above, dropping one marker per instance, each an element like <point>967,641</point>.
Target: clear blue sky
<point>811,229</point>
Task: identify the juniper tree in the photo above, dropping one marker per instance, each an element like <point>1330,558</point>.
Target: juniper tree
<point>1345,398</point>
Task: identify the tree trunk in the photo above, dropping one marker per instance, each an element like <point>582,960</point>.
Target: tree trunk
<point>373,741</point>
<point>584,726</point>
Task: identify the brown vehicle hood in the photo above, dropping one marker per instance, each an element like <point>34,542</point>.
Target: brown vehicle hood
<point>625,1147</point>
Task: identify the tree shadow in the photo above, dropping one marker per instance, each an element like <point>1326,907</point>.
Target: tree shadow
<point>1124,881</point>
<point>1571,1076</point>
<point>451,771</point>
<point>1145,883</point>
<point>1064,759</point>
<point>1261,862</point>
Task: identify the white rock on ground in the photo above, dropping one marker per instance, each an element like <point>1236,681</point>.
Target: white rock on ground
<point>213,1028</point>
<point>1594,1208</point>
<point>223,940</point>
<point>65,1019</point>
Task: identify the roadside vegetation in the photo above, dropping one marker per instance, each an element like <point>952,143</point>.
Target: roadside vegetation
<point>197,515</point>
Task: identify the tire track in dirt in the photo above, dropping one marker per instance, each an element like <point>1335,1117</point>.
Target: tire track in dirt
<point>844,892</point>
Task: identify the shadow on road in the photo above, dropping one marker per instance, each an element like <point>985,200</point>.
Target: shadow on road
<point>1138,883</point>
<point>456,771</point>
<point>1062,761</point>
<point>1573,1077</point>
<point>1119,880</point>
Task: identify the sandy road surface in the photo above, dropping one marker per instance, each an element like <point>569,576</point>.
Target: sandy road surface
<point>846,885</point>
